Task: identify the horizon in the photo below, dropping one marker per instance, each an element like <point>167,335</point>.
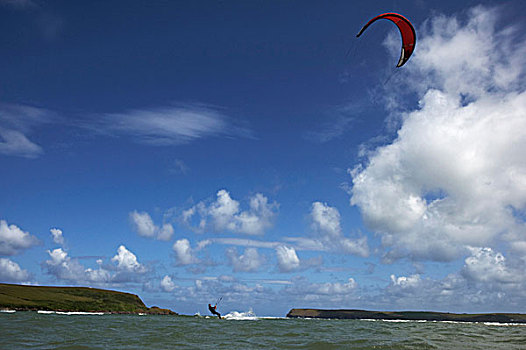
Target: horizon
<point>260,152</point>
<point>294,308</point>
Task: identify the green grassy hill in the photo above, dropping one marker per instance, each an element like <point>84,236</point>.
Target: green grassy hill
<point>18,297</point>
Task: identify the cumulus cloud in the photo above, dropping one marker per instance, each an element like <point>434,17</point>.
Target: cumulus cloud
<point>325,222</point>
<point>184,253</point>
<point>144,226</point>
<point>171,125</point>
<point>58,238</point>
<point>486,282</point>
<point>287,258</point>
<point>249,261</point>
<point>63,267</point>
<point>166,232</point>
<point>127,261</point>
<point>225,214</point>
<point>10,271</point>
<point>486,265</point>
<point>455,175</point>
<point>99,275</point>
<point>167,284</point>
<point>13,240</point>
<point>331,294</point>
<point>403,282</point>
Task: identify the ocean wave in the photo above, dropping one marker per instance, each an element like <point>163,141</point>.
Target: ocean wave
<point>242,316</point>
<point>69,313</point>
<point>7,311</point>
<point>79,313</point>
<point>504,324</point>
<point>445,321</point>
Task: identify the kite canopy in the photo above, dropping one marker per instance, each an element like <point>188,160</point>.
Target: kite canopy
<point>406,30</point>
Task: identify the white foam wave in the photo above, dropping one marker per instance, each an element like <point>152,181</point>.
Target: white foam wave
<point>7,311</point>
<point>242,316</point>
<point>452,322</point>
<point>79,313</point>
<point>503,324</point>
<point>69,313</point>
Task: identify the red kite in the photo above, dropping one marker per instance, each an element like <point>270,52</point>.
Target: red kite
<point>406,30</point>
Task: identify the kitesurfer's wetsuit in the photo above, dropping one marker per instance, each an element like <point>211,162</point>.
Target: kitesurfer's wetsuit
<point>213,310</point>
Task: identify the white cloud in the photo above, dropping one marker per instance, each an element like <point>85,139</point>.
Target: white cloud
<point>171,125</point>
<point>10,271</point>
<point>249,261</point>
<point>58,256</point>
<point>456,173</point>
<point>166,232</point>
<point>223,211</point>
<point>287,258</point>
<point>63,267</point>
<point>167,284</point>
<point>184,253</point>
<point>144,226</point>
<point>486,265</point>
<point>325,221</point>
<point>243,242</point>
<point>403,282</point>
<point>127,261</point>
<point>14,143</point>
<point>519,247</point>
<point>13,239</point>
<point>329,294</point>
<point>224,214</point>
<point>99,275</point>
<point>203,244</point>
<point>16,123</point>
<point>57,235</point>
<point>336,288</point>
<point>486,282</point>
<point>303,243</point>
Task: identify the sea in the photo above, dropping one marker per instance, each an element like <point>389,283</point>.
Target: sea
<point>244,330</point>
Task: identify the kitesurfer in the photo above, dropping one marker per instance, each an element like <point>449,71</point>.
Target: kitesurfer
<point>213,310</point>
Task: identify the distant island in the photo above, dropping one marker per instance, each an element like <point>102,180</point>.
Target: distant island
<point>407,315</point>
<point>73,299</point>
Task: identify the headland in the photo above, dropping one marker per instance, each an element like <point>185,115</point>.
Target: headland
<point>73,299</point>
<point>408,315</point>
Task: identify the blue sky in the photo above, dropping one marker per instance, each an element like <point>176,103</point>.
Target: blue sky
<point>258,151</point>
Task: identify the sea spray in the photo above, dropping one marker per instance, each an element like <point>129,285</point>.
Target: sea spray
<point>242,316</point>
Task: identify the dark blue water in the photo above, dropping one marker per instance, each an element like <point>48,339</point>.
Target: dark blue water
<point>31,330</point>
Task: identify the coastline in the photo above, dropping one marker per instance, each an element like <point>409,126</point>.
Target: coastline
<point>73,300</point>
<point>407,315</point>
